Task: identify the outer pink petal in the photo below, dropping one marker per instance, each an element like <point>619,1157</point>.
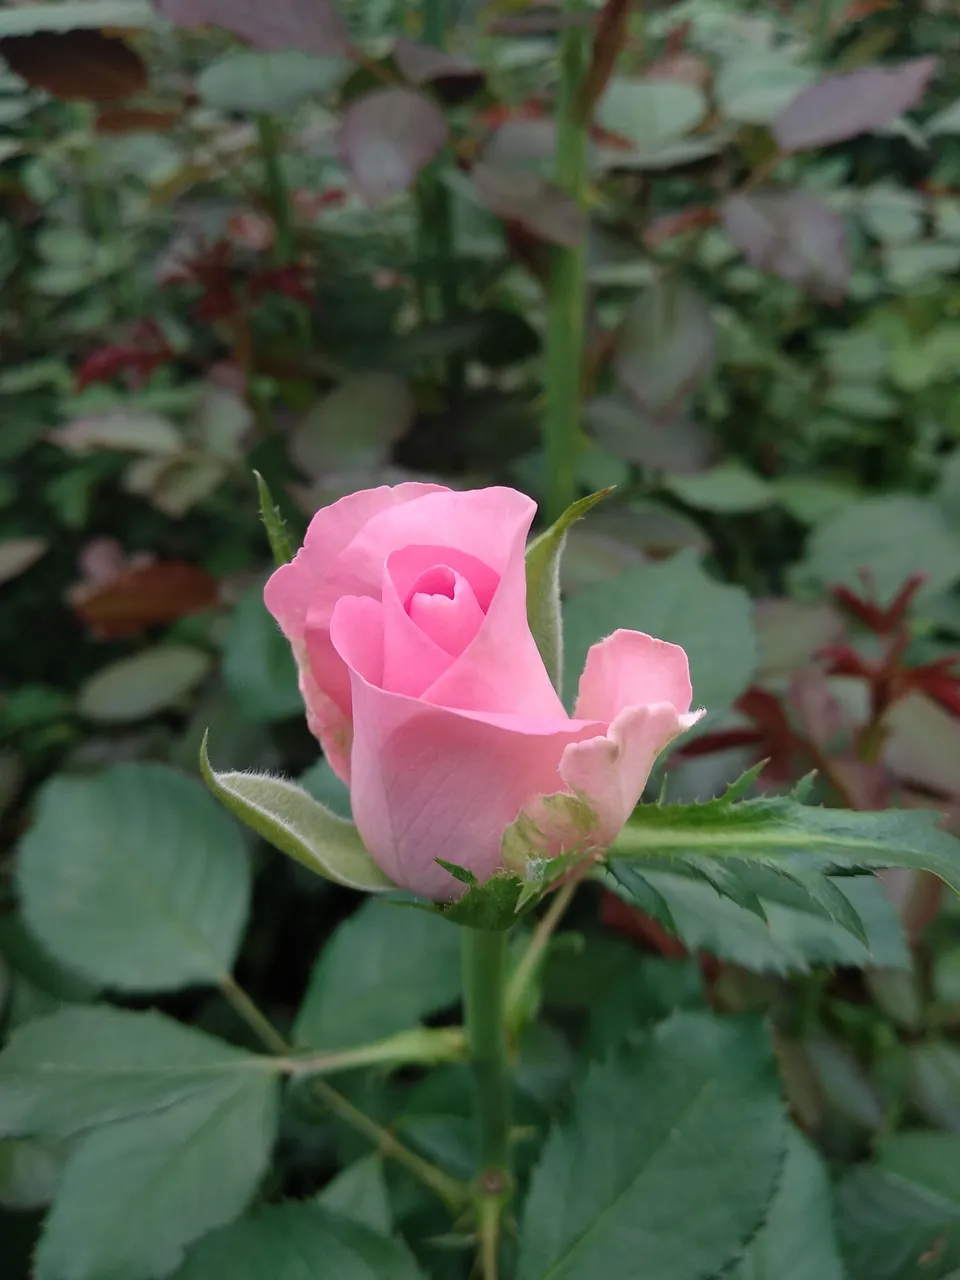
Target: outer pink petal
<point>429,782</point>
<point>609,773</point>
<point>291,589</point>
<point>630,669</point>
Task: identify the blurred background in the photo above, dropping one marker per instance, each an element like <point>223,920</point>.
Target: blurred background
<point>317,246</point>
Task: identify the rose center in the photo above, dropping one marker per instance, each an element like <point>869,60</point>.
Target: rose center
<point>443,605</point>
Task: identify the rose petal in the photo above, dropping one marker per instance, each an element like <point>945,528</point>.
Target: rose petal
<point>291,591</point>
<point>609,773</point>
<point>412,661</point>
<point>630,669</point>
<point>430,782</point>
<point>443,605</point>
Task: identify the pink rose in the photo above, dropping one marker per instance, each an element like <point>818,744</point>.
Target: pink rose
<point>406,610</point>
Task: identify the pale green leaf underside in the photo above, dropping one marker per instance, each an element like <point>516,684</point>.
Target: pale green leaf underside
<point>292,821</point>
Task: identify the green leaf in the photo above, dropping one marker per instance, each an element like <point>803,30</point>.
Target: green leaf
<point>135,879</point>
<point>729,488</point>
<point>933,1076</point>
<point>258,665</point>
<point>652,114</point>
<point>383,970</point>
<point>797,1240</point>
<point>293,1241</point>
<point>292,821</point>
<point>136,1193</point>
<point>359,1192</point>
<point>256,82</point>
<point>795,935</point>
<point>83,1067</point>
<point>903,1209</point>
<point>29,1173</point>
<point>496,904</point>
<point>676,601</point>
<point>778,834</point>
<point>685,1131</point>
<point>543,585</point>
<point>135,688</point>
<point>355,426</point>
<point>277,533</point>
<point>892,537</point>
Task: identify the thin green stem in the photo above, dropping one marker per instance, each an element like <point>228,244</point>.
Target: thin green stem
<point>567,302</point>
<point>454,1193</point>
<point>255,1018</point>
<point>276,189</point>
<point>422,1046</point>
<point>484,1000</point>
<point>531,960</point>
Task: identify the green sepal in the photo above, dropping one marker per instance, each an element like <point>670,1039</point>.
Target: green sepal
<point>543,585</point>
<point>278,534</point>
<point>291,820</point>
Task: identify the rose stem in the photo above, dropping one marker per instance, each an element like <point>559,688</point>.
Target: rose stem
<point>484,1004</point>
<point>450,1190</point>
<point>565,321</point>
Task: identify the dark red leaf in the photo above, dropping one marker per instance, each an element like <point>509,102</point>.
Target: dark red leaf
<point>607,43</point>
<point>81,66</point>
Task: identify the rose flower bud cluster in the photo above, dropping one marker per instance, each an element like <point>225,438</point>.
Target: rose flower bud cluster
<point>406,611</point>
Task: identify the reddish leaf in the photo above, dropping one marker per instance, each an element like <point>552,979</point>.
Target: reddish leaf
<point>142,596</point>
<point>537,205</point>
<point>454,79</point>
<point>387,137</point>
<point>312,26</point>
<point>793,236</point>
<point>84,66</point>
<point>608,41</point>
<point>843,106</point>
<point>669,225</point>
<point>121,120</point>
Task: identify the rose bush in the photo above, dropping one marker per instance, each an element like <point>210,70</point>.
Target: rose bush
<point>406,611</point>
